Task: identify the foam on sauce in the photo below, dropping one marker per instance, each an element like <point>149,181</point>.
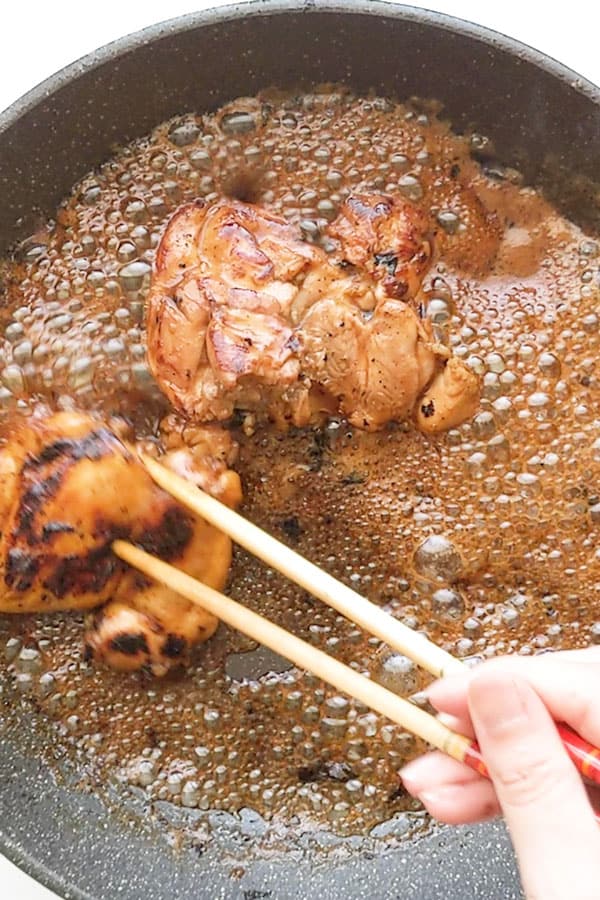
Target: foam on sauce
<point>486,538</point>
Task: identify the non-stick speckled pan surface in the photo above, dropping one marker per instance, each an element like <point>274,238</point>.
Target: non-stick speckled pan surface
<point>542,117</point>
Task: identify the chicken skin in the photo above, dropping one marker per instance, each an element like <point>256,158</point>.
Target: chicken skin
<point>244,314</point>
<point>356,360</point>
<point>219,330</point>
<point>69,486</point>
<point>387,237</point>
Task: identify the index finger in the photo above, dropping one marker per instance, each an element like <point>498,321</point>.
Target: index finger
<point>568,687</point>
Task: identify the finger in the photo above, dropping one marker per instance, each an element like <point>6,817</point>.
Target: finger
<point>461,724</point>
<point>433,770</point>
<point>451,791</point>
<point>461,804</point>
<point>449,695</point>
<point>566,682</point>
<point>536,784</point>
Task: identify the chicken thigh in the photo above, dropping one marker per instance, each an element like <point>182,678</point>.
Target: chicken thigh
<point>243,314</point>
<point>69,486</point>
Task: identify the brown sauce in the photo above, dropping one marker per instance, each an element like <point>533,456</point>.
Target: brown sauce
<point>486,539</point>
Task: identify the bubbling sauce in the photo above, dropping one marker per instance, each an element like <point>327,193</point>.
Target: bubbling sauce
<point>486,539</point>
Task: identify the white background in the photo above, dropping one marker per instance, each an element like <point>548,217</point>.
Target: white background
<point>37,38</point>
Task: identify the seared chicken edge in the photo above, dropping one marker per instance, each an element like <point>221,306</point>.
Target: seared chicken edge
<point>69,486</point>
<point>244,314</point>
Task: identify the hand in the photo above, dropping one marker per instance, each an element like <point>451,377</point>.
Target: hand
<point>509,704</point>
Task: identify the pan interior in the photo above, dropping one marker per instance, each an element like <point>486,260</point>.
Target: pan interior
<point>454,535</point>
<point>320,495</point>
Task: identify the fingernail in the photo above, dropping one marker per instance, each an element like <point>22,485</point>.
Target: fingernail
<point>427,798</point>
<point>413,790</point>
<point>409,777</point>
<point>447,719</point>
<point>440,795</point>
<point>420,772</point>
<point>498,702</point>
<point>438,690</point>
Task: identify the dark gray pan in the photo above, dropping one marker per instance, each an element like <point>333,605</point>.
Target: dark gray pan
<point>541,116</point>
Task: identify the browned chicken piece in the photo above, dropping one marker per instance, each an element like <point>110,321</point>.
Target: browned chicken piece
<point>243,314</point>
<point>376,368</point>
<point>389,238</point>
<point>69,487</point>
<point>451,398</point>
<point>218,311</point>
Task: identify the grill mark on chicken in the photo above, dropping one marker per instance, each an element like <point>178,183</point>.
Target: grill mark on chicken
<point>63,452</point>
<point>21,570</point>
<point>70,489</point>
<point>92,446</point>
<point>32,500</point>
<point>169,537</point>
<point>51,528</point>
<point>129,644</point>
<point>89,572</point>
<point>173,647</point>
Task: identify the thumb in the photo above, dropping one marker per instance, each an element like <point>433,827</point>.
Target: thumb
<point>549,817</point>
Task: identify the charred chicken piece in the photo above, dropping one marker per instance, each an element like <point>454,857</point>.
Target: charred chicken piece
<point>389,238</point>
<point>243,314</point>
<point>70,486</point>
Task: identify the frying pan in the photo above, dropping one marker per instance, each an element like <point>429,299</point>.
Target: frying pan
<point>543,119</point>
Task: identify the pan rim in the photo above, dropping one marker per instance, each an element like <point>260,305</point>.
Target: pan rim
<point>40,872</point>
<point>257,8</point>
<point>232,12</point>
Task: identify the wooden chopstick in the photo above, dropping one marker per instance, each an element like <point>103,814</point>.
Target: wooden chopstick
<point>358,609</point>
<point>305,656</point>
<point>306,574</point>
<point>300,653</point>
